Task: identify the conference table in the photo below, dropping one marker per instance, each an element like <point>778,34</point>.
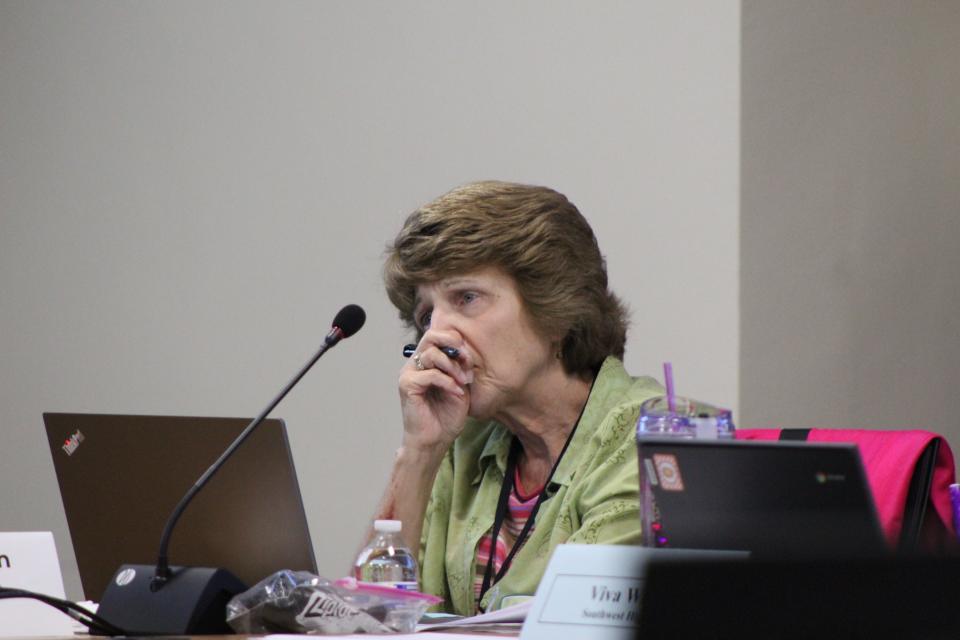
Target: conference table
<point>904,596</point>
<point>423,635</point>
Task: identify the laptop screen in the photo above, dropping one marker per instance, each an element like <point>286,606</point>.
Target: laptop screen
<point>121,476</point>
<point>770,498</point>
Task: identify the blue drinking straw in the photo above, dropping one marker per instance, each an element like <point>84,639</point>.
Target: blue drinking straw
<point>668,380</point>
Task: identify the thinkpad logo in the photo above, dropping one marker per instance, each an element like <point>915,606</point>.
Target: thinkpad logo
<point>71,443</point>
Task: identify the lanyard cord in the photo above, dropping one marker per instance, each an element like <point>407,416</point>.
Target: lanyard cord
<point>501,513</point>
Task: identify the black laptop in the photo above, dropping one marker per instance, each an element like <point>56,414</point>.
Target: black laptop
<point>121,476</point>
<point>773,499</point>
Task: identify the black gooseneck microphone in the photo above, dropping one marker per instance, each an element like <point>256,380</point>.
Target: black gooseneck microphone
<point>346,323</point>
<point>166,600</point>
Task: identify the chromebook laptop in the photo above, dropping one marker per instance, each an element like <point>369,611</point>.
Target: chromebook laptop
<point>121,476</point>
<point>769,498</point>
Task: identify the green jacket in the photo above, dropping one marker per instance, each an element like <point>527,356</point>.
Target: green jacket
<point>593,495</point>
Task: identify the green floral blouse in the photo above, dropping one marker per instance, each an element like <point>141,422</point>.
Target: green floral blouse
<point>593,497</point>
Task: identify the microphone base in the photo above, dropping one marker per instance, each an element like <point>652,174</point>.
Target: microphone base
<point>192,601</point>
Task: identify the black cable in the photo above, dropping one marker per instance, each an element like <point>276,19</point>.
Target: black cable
<point>85,617</point>
<point>76,612</point>
<point>90,620</point>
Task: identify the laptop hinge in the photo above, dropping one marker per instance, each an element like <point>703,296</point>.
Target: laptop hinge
<point>794,434</point>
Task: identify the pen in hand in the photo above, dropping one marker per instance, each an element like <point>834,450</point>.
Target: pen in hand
<point>410,349</point>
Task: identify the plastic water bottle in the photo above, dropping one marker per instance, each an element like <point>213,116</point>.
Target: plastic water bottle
<point>387,559</point>
<point>676,417</point>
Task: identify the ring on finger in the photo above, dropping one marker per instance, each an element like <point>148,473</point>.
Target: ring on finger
<point>417,361</point>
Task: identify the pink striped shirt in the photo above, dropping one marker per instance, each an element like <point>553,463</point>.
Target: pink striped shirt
<point>519,507</point>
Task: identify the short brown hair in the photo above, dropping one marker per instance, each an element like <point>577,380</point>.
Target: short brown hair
<point>536,236</point>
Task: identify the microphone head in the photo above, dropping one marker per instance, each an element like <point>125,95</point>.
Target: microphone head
<point>350,319</point>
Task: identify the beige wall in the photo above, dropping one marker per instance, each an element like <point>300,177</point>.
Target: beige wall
<point>850,220</point>
<point>189,192</point>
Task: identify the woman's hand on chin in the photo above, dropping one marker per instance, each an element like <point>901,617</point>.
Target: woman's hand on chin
<point>434,398</point>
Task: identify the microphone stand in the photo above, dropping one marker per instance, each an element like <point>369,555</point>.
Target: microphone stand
<point>162,573</point>
<point>165,600</point>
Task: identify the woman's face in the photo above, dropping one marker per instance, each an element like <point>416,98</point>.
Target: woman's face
<point>481,313</point>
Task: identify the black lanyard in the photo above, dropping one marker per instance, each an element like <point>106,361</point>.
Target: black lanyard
<point>502,508</point>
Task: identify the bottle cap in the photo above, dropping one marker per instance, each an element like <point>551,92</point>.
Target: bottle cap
<point>387,526</point>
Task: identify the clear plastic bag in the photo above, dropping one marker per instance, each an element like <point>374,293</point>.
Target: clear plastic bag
<point>300,602</point>
<point>398,609</point>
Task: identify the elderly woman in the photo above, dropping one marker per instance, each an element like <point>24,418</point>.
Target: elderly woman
<point>522,438</point>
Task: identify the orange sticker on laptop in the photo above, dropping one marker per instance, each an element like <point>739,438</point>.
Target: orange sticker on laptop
<point>668,471</point>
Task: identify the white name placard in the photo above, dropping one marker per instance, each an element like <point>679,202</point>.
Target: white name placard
<point>608,601</point>
<point>592,592</point>
<point>29,561</point>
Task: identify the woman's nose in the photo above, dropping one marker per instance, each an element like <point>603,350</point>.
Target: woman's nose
<point>443,317</point>
<point>438,319</point>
